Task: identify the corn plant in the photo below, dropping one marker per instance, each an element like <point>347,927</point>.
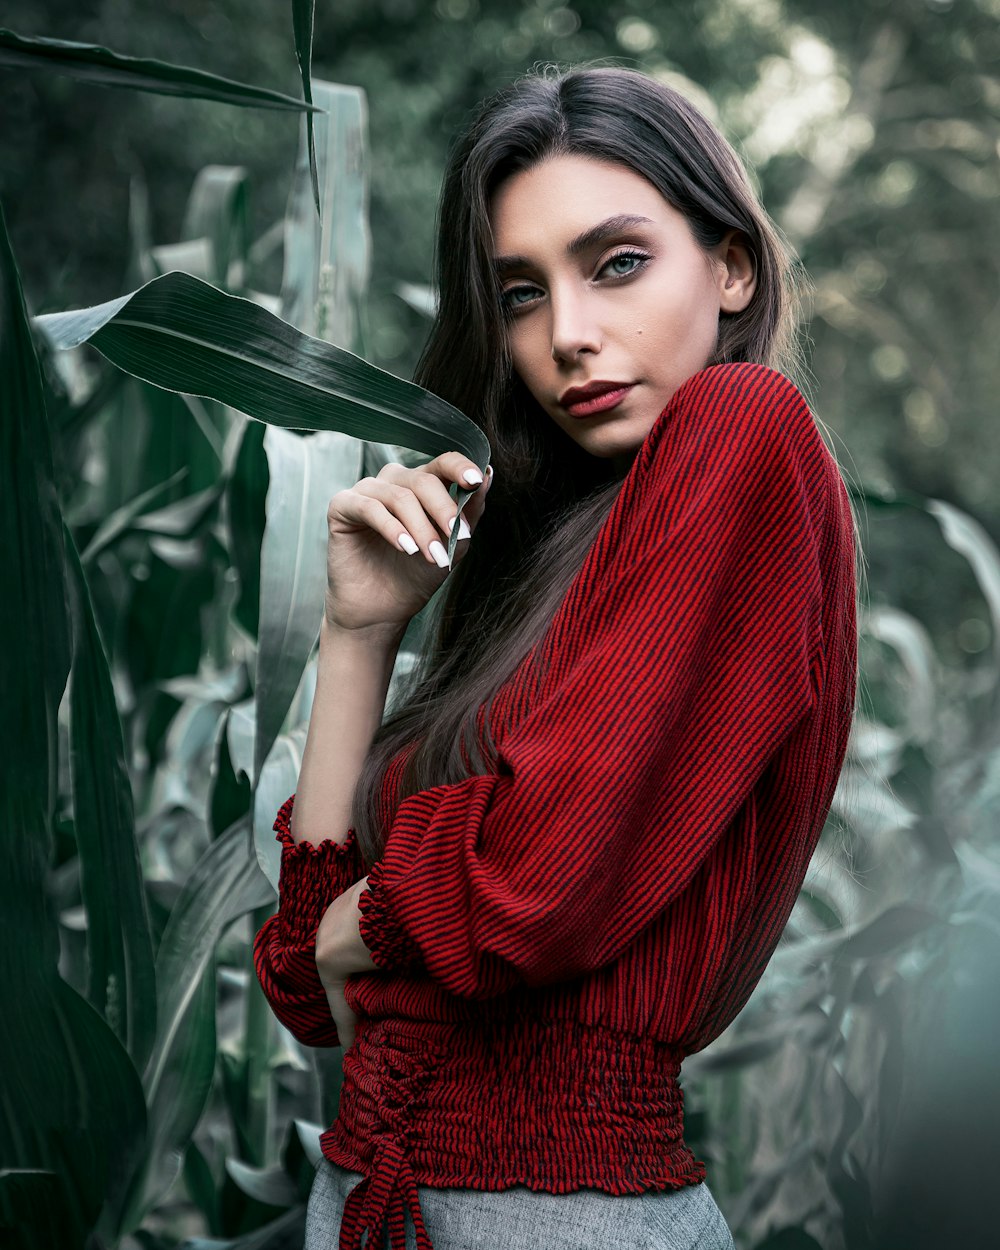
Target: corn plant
<point>150,778</point>
<point>167,461</point>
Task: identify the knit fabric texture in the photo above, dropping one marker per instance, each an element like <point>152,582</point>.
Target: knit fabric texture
<point>554,937</point>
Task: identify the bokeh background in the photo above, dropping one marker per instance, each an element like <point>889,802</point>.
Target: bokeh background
<point>855,1103</point>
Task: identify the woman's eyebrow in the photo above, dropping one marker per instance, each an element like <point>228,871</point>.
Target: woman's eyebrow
<point>595,234</point>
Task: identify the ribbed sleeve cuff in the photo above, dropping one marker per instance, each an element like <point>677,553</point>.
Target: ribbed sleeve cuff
<point>310,878</point>
<point>381,931</point>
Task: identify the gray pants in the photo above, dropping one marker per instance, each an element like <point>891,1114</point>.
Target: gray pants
<point>518,1218</point>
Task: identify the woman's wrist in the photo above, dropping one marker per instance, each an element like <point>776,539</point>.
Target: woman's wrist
<point>385,636</point>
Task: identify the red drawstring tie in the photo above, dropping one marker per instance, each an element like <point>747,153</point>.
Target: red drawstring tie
<point>384,1195</point>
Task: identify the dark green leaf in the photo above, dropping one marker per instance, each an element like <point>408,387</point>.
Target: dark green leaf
<point>122,519</point>
<point>201,1185</point>
<point>175,1098</point>
<point>225,884</point>
<point>217,210</point>
<point>302,22</point>
<point>284,1233</point>
<point>72,1104</point>
<point>309,1135</point>
<point>113,69</point>
<point>184,335</point>
<point>183,518</point>
<point>246,495</point>
<point>272,1186</point>
<point>120,980</point>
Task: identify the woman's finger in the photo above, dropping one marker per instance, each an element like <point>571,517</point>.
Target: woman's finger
<point>358,507</point>
<point>430,485</point>
<point>400,501</point>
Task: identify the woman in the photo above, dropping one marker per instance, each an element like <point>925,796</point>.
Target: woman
<point>563,862</point>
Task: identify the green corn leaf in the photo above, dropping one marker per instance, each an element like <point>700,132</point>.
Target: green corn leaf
<point>325,277</point>
<point>100,65</point>
<point>970,539</point>
<point>175,1104</point>
<point>72,1113</point>
<point>302,22</point>
<point>327,262</point>
<point>276,781</point>
<point>246,484</point>
<point>184,335</point>
<point>272,1186</point>
<point>285,1232</point>
<point>303,474</point>
<point>225,884</point>
<point>120,980</point>
<point>217,210</point>
<point>123,518</point>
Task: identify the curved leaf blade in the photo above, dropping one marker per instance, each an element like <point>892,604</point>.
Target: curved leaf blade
<point>107,68</point>
<point>120,979</point>
<point>217,209</point>
<point>302,23</point>
<point>275,782</point>
<point>970,539</point>
<point>225,884</point>
<point>327,261</point>
<point>72,1107</point>
<point>184,335</point>
<point>303,474</point>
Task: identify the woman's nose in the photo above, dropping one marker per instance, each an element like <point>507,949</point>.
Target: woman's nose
<point>574,328</point>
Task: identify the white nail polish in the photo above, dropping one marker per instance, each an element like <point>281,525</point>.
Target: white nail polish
<point>463,529</point>
<point>439,554</point>
<point>408,545</point>
<point>473,477</point>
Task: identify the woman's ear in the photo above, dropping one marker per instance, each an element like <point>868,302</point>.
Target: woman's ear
<point>737,279</point>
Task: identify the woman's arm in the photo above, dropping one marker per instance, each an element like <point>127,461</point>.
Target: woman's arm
<point>352,680</point>
<point>376,583</point>
<point>302,976</point>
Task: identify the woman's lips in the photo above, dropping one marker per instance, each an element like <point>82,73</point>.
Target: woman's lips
<point>597,403</point>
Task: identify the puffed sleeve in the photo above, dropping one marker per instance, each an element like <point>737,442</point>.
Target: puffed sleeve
<point>682,657</point>
<point>284,950</point>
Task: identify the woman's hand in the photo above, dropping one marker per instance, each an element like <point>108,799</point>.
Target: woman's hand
<point>371,580</point>
<point>343,1017</point>
<point>339,952</point>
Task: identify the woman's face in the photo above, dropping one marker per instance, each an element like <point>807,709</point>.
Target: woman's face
<point>631,303</point>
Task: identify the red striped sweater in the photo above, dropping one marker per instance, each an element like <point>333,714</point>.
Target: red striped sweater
<point>554,937</point>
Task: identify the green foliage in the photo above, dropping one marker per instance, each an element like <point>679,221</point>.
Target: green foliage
<point>160,681</point>
<point>111,69</point>
<point>176,331</point>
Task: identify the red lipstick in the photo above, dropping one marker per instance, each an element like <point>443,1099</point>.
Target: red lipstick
<point>582,401</point>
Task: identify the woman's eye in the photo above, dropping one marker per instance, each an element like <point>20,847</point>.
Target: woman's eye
<point>514,291</point>
<point>636,261</point>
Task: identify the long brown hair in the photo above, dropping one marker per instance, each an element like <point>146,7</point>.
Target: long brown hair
<point>549,496</point>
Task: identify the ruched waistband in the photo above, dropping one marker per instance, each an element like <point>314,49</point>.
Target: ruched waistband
<point>552,1104</point>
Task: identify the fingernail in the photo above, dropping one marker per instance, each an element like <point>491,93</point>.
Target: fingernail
<point>439,554</point>
<point>408,545</point>
<point>463,529</point>
<point>473,477</point>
